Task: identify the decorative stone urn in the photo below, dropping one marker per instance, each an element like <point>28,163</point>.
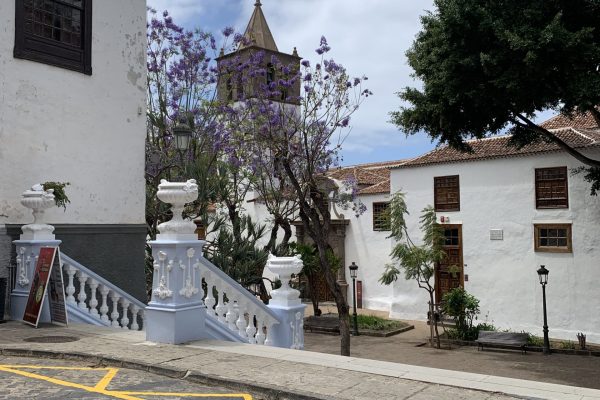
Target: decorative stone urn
<point>38,200</point>
<point>284,267</point>
<point>178,194</point>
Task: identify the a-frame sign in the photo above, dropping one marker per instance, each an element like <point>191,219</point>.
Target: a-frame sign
<point>47,281</point>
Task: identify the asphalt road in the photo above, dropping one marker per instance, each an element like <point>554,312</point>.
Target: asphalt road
<point>29,378</point>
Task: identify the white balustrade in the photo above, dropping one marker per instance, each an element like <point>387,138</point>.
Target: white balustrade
<point>242,314</point>
<point>98,306</point>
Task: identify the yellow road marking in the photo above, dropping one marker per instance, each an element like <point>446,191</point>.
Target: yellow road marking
<point>104,382</point>
<point>69,384</point>
<point>107,378</point>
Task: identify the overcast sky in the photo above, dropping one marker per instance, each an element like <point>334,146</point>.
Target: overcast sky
<point>369,37</point>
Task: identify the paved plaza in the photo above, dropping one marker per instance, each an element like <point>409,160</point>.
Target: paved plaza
<point>271,373</point>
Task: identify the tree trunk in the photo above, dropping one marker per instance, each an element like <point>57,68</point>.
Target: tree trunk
<point>431,317</point>
<point>287,231</point>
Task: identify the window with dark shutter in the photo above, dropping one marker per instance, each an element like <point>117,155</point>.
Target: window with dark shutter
<point>446,193</point>
<point>381,216</point>
<point>55,32</point>
<point>553,238</point>
<point>551,188</point>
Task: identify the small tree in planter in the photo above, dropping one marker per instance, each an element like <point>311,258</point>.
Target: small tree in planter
<point>60,197</point>
<point>417,262</point>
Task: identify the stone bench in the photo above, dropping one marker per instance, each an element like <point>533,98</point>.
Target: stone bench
<point>502,339</point>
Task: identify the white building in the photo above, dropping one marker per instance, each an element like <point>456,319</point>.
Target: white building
<point>505,212</point>
<point>72,109</point>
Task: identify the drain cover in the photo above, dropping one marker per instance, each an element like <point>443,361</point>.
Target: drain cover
<point>51,339</point>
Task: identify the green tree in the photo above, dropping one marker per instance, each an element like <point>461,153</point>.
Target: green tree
<point>417,262</point>
<point>488,65</point>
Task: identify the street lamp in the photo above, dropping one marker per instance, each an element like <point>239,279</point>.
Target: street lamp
<point>353,273</point>
<point>543,275</point>
<point>183,134</point>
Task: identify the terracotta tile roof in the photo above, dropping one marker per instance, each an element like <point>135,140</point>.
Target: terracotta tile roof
<point>579,132</point>
<point>579,120</point>
<point>360,175</point>
<point>371,178</point>
<point>381,187</point>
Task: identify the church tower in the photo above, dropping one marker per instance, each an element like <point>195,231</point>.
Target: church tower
<point>231,86</point>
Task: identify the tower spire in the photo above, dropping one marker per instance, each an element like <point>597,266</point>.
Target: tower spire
<point>258,32</point>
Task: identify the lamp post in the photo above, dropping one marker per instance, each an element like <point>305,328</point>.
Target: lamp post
<point>543,275</point>
<point>353,273</point>
<point>183,134</point>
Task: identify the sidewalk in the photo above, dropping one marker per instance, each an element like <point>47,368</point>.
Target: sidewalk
<point>273,373</point>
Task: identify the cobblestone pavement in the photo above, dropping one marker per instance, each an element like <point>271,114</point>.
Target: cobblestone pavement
<point>409,348</point>
<point>32,378</point>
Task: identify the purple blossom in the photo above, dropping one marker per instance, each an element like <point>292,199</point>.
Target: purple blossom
<point>228,31</point>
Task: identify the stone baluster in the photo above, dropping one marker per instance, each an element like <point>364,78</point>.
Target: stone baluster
<point>251,329</point>
<point>82,296</point>
<point>125,318</point>
<point>210,300</point>
<point>231,315</point>
<point>70,286</point>
<point>104,307</point>
<point>93,301</point>
<point>269,339</point>
<point>134,317</point>
<point>241,321</point>
<point>221,308</point>
<point>260,335</point>
<point>143,318</point>
<point>114,316</point>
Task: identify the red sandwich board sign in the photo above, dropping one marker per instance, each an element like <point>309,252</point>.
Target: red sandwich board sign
<point>47,274</point>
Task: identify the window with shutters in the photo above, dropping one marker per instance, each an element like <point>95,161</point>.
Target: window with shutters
<point>381,216</point>
<point>55,32</point>
<point>446,193</point>
<point>553,238</point>
<point>551,188</point>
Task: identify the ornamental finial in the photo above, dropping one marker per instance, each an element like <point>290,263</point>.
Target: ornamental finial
<point>257,4</point>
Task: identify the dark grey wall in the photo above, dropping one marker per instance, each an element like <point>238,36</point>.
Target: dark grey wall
<point>115,252</point>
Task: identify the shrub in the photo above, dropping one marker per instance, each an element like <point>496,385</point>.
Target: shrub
<point>464,308</point>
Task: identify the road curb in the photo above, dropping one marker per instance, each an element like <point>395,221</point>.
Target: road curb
<point>258,392</point>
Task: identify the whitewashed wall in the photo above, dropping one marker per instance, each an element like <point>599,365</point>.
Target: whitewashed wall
<point>502,274</point>
<point>370,250</point>
<point>61,125</point>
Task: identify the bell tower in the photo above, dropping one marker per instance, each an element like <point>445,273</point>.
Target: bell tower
<point>233,85</point>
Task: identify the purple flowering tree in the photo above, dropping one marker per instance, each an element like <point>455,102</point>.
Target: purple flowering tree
<point>295,137</point>
<point>182,79</point>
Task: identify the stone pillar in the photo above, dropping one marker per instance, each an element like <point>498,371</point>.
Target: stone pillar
<point>285,302</point>
<point>176,313</point>
<point>35,236</point>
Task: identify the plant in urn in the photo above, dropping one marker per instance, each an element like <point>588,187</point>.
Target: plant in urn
<point>178,194</point>
<point>38,200</point>
<point>284,267</point>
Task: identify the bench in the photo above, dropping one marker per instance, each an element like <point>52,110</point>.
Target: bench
<point>502,339</point>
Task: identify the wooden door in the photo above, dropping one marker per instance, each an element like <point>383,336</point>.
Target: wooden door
<point>449,274</point>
